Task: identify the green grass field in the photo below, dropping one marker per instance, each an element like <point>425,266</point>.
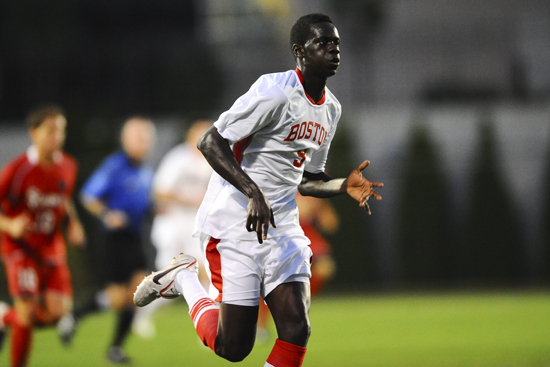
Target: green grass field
<point>437,329</point>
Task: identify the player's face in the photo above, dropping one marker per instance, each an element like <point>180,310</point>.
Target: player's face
<point>138,138</point>
<point>49,136</point>
<point>322,49</point>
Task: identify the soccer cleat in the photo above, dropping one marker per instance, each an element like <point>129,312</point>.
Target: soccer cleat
<point>4,308</point>
<point>117,356</point>
<point>161,283</point>
<point>66,328</point>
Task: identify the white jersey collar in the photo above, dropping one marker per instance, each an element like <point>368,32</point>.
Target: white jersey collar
<point>32,155</point>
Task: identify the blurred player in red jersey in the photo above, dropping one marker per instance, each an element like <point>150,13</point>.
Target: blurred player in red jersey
<point>317,217</point>
<point>36,205</point>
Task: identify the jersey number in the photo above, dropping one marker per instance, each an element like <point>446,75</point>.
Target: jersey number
<point>300,161</point>
<point>45,222</point>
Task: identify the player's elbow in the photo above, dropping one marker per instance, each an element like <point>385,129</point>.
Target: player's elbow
<point>206,139</point>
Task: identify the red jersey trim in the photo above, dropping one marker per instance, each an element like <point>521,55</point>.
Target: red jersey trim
<point>301,77</point>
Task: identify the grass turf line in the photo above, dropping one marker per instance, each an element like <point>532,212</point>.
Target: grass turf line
<point>439,329</point>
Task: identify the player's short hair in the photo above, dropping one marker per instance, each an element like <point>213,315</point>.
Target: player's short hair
<point>300,30</point>
<point>36,117</point>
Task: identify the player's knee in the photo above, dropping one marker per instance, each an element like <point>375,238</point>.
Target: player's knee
<point>297,332</point>
<point>233,353</point>
<point>25,318</point>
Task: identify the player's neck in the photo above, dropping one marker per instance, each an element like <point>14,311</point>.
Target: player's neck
<point>314,85</point>
<point>46,158</point>
<point>314,89</point>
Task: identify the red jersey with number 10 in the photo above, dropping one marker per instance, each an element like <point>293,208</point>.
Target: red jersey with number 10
<point>41,192</point>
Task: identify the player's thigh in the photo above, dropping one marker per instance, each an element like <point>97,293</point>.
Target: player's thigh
<point>58,291</point>
<point>289,304</point>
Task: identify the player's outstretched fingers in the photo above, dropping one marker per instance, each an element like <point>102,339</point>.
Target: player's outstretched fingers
<point>363,165</point>
<point>376,184</point>
<point>377,195</point>
<point>366,206</point>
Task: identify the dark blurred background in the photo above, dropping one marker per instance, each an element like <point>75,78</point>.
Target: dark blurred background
<point>449,100</point>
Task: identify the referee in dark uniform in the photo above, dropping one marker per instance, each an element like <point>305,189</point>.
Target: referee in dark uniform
<point>118,194</point>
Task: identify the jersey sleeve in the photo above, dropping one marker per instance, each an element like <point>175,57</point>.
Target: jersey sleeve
<point>6,178</point>
<point>73,171</point>
<point>319,158</point>
<point>98,184</point>
<point>264,103</point>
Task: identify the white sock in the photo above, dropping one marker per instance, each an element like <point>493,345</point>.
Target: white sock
<point>147,312</point>
<point>102,300</point>
<point>187,283</point>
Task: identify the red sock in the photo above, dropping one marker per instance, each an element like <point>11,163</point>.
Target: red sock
<point>205,316</point>
<point>285,354</point>
<point>21,338</point>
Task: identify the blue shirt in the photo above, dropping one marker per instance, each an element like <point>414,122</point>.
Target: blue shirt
<point>122,184</point>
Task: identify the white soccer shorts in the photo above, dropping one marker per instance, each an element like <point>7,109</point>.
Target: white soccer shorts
<point>242,271</point>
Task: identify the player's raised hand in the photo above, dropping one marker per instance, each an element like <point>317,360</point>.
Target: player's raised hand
<point>360,188</point>
<point>259,216</point>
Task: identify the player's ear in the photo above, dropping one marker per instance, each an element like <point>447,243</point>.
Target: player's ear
<point>298,51</point>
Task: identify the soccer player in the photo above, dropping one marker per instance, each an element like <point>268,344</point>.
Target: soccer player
<point>36,206</point>
<point>178,189</point>
<point>118,194</point>
<point>273,141</point>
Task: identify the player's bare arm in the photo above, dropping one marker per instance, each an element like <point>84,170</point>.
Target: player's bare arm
<point>15,227</point>
<point>112,218</point>
<point>75,230</point>
<point>321,185</point>
<point>218,153</point>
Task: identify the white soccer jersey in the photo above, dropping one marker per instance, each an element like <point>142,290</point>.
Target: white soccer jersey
<point>183,171</point>
<point>276,131</point>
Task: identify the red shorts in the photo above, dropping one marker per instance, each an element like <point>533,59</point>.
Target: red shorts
<point>26,277</point>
